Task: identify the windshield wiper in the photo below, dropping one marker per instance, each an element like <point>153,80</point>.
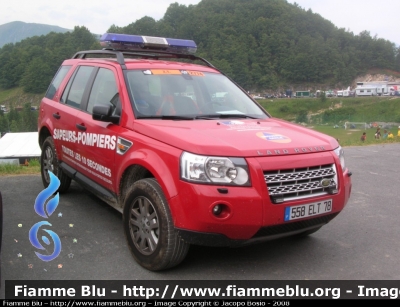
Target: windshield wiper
<point>173,117</point>
<point>206,116</point>
<point>211,116</point>
<point>238,116</point>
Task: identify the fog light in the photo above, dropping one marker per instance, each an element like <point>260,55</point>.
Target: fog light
<point>332,191</point>
<point>278,199</point>
<point>217,210</point>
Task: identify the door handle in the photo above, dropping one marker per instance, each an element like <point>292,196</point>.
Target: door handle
<point>81,127</point>
<point>56,115</point>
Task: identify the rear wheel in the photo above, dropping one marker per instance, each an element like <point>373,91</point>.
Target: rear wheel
<point>49,162</point>
<point>149,229</point>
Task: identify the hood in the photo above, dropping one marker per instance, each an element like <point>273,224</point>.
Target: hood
<point>237,138</point>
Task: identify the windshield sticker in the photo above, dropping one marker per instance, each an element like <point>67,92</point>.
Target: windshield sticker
<point>147,72</point>
<point>273,137</point>
<point>192,73</point>
<point>196,73</point>
<point>166,72</point>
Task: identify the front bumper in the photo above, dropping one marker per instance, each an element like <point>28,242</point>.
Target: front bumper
<point>250,216</point>
<point>264,234</point>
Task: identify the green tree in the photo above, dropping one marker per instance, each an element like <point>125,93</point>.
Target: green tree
<point>302,117</point>
<point>14,126</point>
<point>4,124</point>
<point>13,115</point>
<point>322,97</point>
<point>397,59</point>
<point>143,26</point>
<point>29,118</point>
<point>37,76</point>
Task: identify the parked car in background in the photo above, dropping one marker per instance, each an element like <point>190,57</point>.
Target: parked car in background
<point>269,96</point>
<point>301,94</point>
<point>258,97</point>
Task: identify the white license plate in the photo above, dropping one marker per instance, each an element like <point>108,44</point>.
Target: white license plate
<point>302,211</point>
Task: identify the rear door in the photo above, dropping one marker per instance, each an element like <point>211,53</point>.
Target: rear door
<point>97,139</point>
<point>65,112</point>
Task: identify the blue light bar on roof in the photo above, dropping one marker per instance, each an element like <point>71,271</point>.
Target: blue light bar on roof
<point>137,42</point>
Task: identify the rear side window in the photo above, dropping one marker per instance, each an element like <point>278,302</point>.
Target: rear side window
<point>76,86</point>
<point>61,73</point>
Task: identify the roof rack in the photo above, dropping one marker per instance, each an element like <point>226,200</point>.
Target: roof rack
<point>145,54</point>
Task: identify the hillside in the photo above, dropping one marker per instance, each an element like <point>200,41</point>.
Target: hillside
<point>272,45</point>
<point>390,76</point>
<point>16,31</point>
<point>16,97</point>
<point>265,46</point>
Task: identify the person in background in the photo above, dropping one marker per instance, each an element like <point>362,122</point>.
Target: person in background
<point>378,133</point>
<point>398,132</point>
<point>385,134</point>
<point>390,135</point>
<point>363,137</point>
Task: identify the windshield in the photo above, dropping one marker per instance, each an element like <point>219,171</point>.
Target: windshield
<point>181,94</point>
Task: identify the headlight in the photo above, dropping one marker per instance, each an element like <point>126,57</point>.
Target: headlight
<point>340,153</point>
<point>214,170</point>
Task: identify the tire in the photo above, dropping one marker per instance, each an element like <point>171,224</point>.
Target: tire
<point>149,228</point>
<point>49,162</point>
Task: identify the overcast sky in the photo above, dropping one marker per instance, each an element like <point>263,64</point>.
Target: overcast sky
<point>379,18</point>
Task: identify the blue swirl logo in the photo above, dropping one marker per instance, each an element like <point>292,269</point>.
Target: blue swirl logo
<point>46,210</point>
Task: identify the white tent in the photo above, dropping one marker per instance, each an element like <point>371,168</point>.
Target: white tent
<point>21,145</point>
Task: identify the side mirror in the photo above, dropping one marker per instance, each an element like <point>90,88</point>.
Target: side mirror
<point>104,113</point>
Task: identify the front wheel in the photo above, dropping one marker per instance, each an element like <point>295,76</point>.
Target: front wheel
<point>149,228</point>
<point>49,162</point>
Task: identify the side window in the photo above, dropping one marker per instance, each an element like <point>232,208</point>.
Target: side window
<point>104,91</point>
<point>61,73</point>
<point>76,86</point>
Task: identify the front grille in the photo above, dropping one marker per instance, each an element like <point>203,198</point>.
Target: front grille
<point>298,183</point>
<point>294,226</point>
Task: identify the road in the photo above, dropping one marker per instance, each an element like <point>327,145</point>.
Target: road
<point>361,243</point>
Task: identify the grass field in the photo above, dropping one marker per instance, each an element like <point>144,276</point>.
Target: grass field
<point>323,116</point>
<point>11,169</point>
<point>337,110</point>
<point>16,97</point>
<point>351,137</point>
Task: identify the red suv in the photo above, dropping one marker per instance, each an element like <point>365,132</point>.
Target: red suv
<point>185,154</point>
